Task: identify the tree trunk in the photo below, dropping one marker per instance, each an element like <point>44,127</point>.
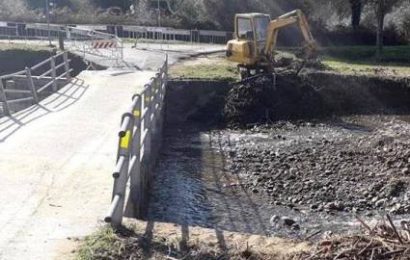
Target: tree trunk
<point>356,6</point>
<point>380,26</point>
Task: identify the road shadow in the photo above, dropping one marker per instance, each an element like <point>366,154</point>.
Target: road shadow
<point>56,102</point>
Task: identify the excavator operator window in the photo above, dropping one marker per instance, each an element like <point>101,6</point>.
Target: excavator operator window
<point>245,30</point>
<point>261,27</point>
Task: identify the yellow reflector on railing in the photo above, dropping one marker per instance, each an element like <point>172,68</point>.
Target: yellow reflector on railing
<point>137,113</point>
<point>125,141</point>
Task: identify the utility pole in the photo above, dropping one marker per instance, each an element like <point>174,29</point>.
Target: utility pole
<point>159,14</point>
<point>48,21</point>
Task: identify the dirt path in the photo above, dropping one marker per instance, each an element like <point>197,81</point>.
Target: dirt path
<point>55,161</point>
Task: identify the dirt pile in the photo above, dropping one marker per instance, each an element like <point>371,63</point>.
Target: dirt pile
<point>314,94</point>
<point>310,167</point>
<point>266,99</point>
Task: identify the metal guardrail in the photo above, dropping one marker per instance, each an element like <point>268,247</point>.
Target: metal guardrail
<point>165,34</point>
<point>138,147</point>
<point>78,39</point>
<point>56,72</point>
<point>29,31</point>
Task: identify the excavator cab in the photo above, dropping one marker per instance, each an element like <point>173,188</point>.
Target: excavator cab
<point>250,38</point>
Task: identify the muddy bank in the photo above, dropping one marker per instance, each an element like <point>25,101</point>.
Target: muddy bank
<point>289,96</point>
<point>14,60</point>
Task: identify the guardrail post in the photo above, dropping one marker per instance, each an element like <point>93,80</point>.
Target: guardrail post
<point>31,85</point>
<point>53,73</point>
<point>136,188</point>
<point>3,98</point>
<point>148,123</point>
<point>121,173</point>
<point>67,65</point>
<point>146,158</point>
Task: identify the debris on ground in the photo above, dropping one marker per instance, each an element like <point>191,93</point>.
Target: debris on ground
<point>384,241</point>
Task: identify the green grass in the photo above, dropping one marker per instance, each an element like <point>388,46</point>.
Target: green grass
<point>390,54</point>
<point>103,240</point>
<point>216,69</point>
<point>348,67</point>
<point>5,45</point>
<point>395,60</point>
<point>165,244</point>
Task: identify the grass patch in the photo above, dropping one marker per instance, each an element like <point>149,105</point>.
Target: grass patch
<point>97,243</point>
<point>347,60</point>
<point>349,67</point>
<point>367,54</point>
<point>395,60</point>
<point>206,68</point>
<point>5,45</point>
<point>127,244</point>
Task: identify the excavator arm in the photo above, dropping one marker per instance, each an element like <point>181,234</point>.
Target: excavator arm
<point>295,17</point>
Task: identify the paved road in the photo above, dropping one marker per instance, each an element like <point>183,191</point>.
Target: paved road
<point>149,56</point>
<point>55,161</point>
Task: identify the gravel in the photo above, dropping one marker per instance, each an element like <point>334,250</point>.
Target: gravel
<point>352,164</point>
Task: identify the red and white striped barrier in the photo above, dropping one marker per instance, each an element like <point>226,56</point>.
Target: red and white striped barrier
<point>104,44</point>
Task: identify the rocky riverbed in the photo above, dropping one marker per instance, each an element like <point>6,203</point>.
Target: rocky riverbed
<point>352,164</point>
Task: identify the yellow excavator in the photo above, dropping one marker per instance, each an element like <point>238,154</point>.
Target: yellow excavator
<point>255,41</point>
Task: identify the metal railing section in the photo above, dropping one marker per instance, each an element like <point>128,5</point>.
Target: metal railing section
<point>86,41</point>
<point>10,30</point>
<point>78,39</point>
<point>138,147</point>
<point>51,70</point>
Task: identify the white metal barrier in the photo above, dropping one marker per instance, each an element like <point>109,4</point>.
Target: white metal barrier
<point>138,147</point>
<point>81,40</point>
<point>54,71</point>
<point>29,31</point>
<point>84,41</point>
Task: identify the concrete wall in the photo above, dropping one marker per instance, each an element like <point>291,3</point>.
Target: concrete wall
<point>195,101</point>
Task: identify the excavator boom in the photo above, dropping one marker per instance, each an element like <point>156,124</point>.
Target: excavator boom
<point>291,18</point>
